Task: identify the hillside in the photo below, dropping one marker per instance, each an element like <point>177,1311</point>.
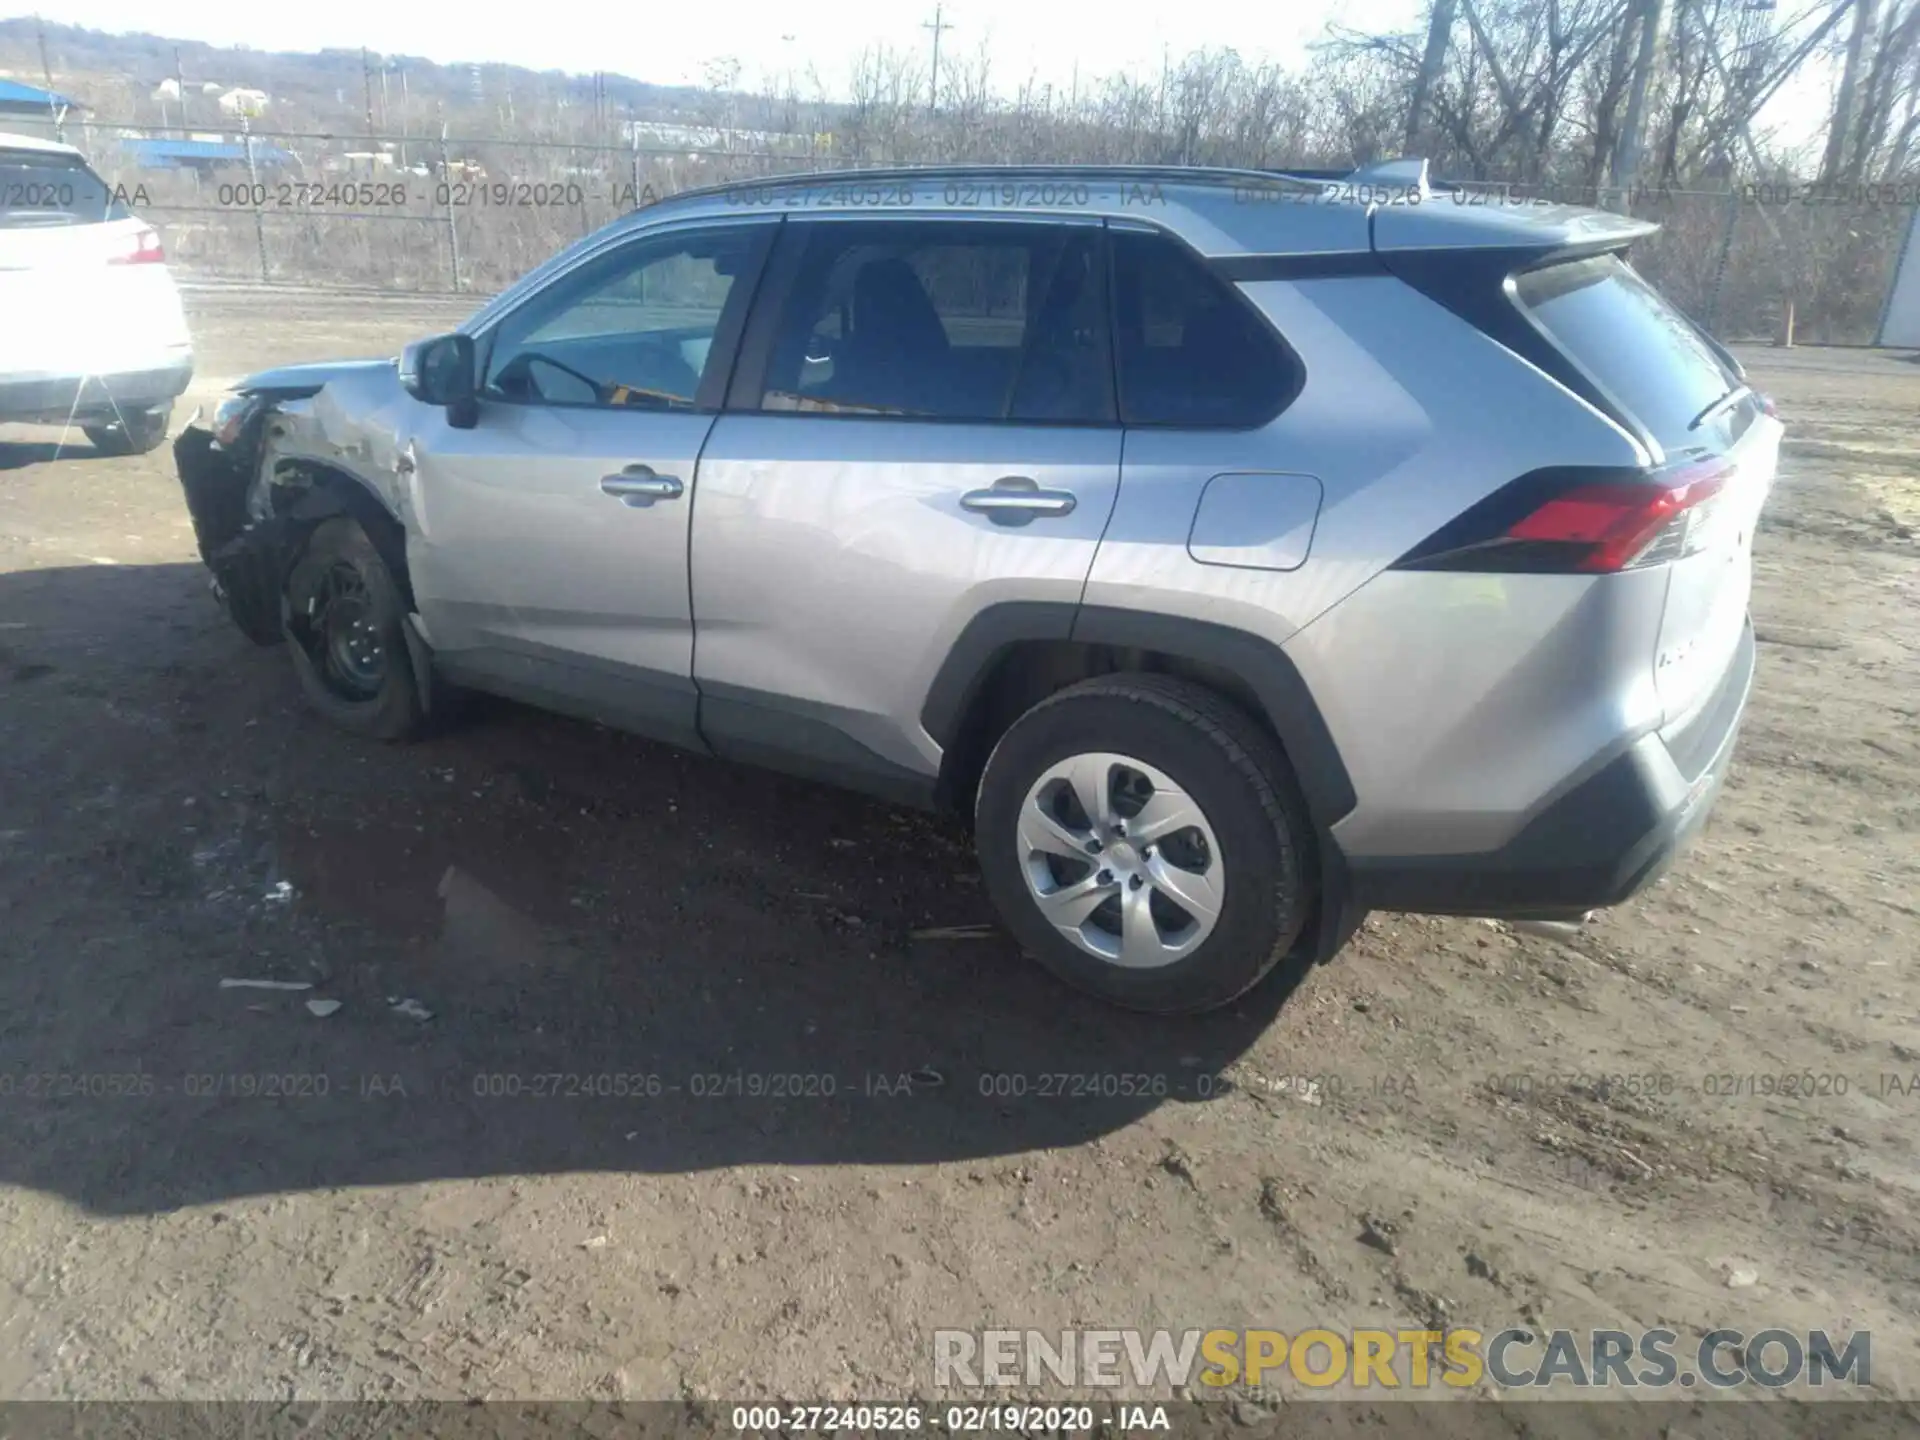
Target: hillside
<point>117,76</point>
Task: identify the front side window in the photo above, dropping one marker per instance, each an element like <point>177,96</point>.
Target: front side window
<point>944,320</point>
<point>635,328</point>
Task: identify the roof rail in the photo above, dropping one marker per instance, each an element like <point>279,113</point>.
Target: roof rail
<point>855,175</point>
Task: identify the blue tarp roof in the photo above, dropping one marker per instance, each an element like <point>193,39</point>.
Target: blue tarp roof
<point>202,152</point>
<point>15,96</point>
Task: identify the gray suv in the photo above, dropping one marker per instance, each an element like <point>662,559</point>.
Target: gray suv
<point>1241,551</point>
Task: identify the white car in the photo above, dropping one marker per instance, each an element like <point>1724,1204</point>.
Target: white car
<point>91,329</point>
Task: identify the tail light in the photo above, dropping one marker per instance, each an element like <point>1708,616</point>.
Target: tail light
<point>144,250</point>
<point>1580,521</point>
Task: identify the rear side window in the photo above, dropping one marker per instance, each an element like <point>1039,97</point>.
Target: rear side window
<point>1642,351</point>
<point>1190,352</point>
<point>41,189</point>
<point>945,320</point>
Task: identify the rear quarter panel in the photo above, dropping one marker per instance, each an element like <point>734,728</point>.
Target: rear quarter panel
<point>1408,415</point>
<point>1453,699</point>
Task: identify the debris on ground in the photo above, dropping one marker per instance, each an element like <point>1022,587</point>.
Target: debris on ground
<point>280,894</point>
<point>322,1008</point>
<point>266,985</point>
<point>410,1008</point>
<point>952,932</point>
<point>1379,1234</point>
<point>1177,1163</point>
<point>1742,1278</point>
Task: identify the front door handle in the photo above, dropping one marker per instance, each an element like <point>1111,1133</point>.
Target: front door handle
<point>639,485</point>
<point>1016,500</point>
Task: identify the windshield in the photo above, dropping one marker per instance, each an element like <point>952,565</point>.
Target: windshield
<point>37,188</point>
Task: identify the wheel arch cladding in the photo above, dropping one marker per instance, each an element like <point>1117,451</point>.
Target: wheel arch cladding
<point>962,683</point>
<point>332,491</point>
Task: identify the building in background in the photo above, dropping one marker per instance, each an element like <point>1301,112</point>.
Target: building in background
<point>205,156</point>
<point>29,110</point>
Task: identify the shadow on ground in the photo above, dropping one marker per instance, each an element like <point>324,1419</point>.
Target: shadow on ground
<point>19,454</point>
<point>634,959</point>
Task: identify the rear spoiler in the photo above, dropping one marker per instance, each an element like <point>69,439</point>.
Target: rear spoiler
<point>1405,186</point>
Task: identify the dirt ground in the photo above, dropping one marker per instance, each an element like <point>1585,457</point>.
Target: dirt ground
<point>210,1192</point>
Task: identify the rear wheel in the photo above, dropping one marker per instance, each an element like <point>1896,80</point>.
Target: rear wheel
<point>134,433</point>
<point>344,616</point>
<point>1144,839</point>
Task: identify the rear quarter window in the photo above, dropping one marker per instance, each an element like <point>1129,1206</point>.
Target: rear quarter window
<point>1636,346</point>
<point>42,189</point>
<point>1190,353</point>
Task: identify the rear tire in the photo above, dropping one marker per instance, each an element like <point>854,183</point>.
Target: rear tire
<point>135,433</point>
<point>343,617</point>
<point>1203,875</point>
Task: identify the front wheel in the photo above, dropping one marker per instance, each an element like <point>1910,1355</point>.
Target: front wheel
<point>343,616</point>
<point>1144,839</point>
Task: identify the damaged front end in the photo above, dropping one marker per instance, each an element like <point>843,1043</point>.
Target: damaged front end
<point>247,555</point>
<point>265,471</point>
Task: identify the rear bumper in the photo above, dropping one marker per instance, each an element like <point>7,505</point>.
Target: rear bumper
<point>87,399</point>
<point>1606,838</point>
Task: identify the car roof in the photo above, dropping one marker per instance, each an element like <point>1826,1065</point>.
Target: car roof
<point>34,142</point>
<point>1222,213</point>
<point>1343,218</point>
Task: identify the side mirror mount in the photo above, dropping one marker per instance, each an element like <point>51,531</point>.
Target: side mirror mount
<point>440,371</point>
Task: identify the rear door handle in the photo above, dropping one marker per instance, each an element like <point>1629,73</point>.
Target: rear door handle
<point>639,485</point>
<point>1016,500</point>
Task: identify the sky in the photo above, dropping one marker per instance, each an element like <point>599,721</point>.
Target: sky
<point>1057,42</point>
<point>674,43</point>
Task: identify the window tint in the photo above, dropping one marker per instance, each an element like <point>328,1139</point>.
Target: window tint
<point>634,328</point>
<point>1641,350</point>
<point>1190,352</point>
<point>42,189</point>
<point>953,321</point>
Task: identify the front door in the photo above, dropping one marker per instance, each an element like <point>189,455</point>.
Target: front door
<point>548,543</point>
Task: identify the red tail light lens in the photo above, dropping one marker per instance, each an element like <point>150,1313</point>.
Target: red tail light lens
<point>1580,522</point>
<point>145,250</point>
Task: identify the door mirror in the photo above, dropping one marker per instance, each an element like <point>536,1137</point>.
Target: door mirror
<point>440,371</point>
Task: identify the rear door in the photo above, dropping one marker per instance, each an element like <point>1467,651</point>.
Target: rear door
<point>1662,371</point>
<point>922,425</point>
<point>83,288</point>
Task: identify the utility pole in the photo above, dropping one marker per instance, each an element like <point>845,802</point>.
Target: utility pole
<point>180,84</point>
<point>1626,155</point>
<point>936,25</point>
<point>1846,106</point>
<point>366,75</point>
<point>1439,31</point>
<point>1166,69</point>
<point>54,111</point>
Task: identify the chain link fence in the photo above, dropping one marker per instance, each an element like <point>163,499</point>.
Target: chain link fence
<point>450,214</point>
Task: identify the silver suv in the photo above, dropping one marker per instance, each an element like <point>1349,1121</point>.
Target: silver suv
<point>1241,551</point>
